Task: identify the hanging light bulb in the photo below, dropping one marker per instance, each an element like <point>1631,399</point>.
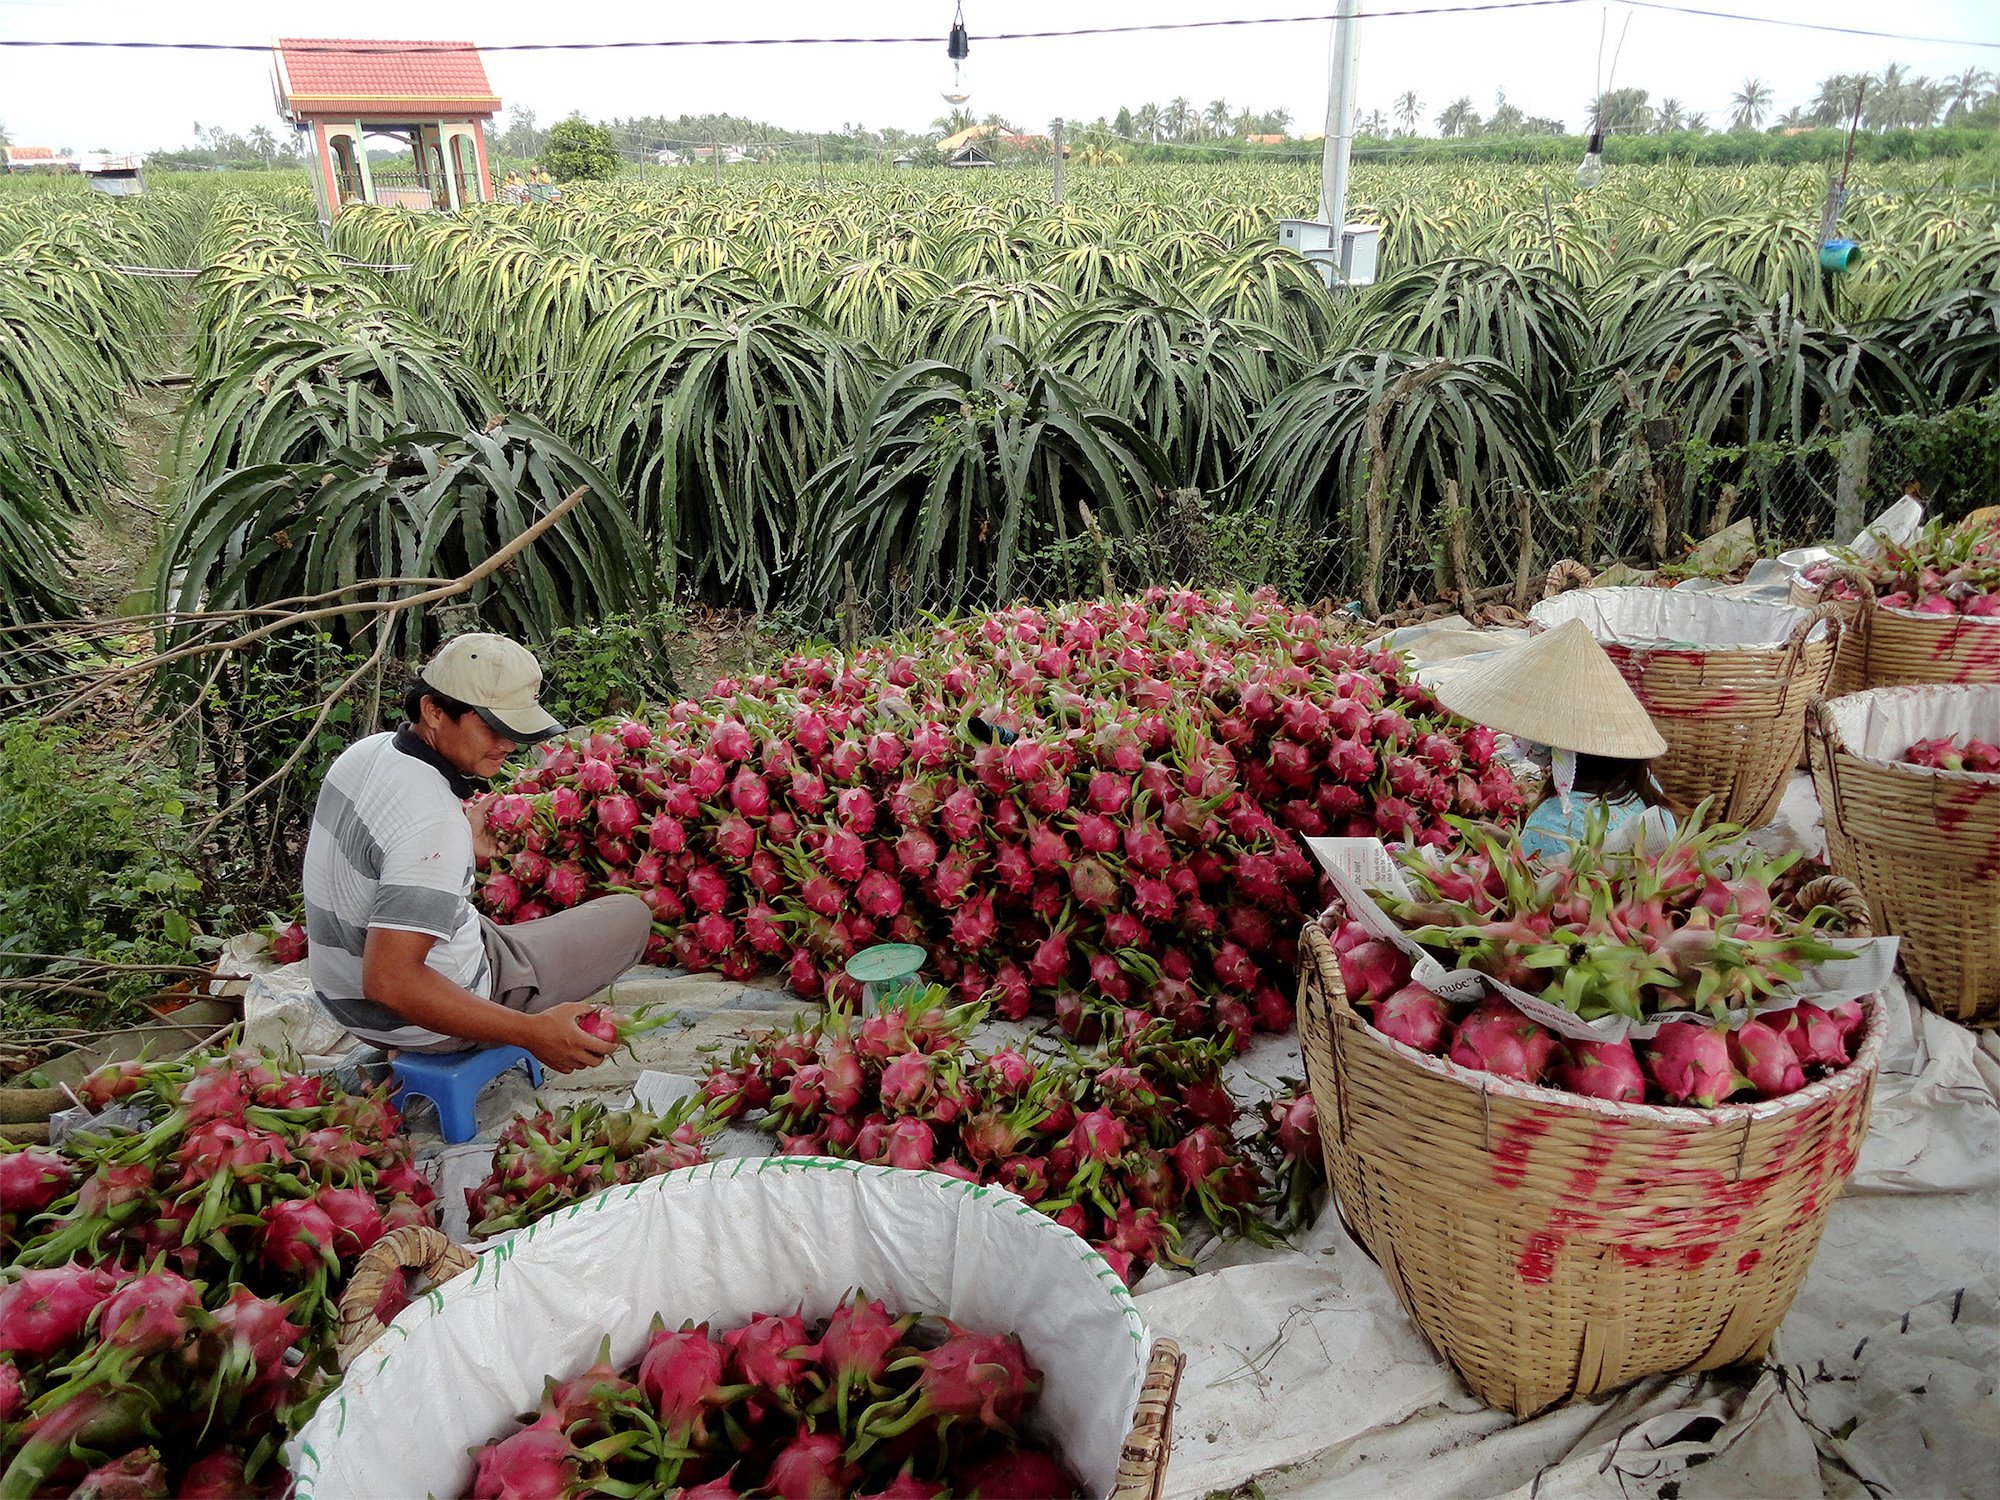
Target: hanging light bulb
<point>1590,171</point>
<point>958,48</point>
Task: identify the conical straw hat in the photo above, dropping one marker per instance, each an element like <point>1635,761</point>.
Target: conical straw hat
<point>1559,689</point>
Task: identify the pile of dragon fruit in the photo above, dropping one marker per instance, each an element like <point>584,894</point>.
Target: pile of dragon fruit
<point>1687,933</point>
<point>1129,833</point>
<point>1943,570</point>
<point>1119,1144</point>
<point>552,1158</point>
<point>868,1402</point>
<point>1946,753</point>
<point>169,1303</point>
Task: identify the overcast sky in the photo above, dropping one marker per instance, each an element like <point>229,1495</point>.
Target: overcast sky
<point>1545,59</point>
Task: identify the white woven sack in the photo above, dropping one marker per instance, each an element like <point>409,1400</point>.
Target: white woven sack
<point>723,1242</point>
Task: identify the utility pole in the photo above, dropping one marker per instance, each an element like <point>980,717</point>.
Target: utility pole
<point>715,161</point>
<point>1339,120</point>
<point>1059,162</point>
<point>819,160</point>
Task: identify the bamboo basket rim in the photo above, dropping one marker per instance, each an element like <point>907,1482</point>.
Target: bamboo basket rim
<point>1859,1072</point>
<point>415,1247</point>
<point>1822,718</point>
<point>1142,1462</point>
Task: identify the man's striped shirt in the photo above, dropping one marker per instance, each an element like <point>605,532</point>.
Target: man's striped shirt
<point>390,847</point>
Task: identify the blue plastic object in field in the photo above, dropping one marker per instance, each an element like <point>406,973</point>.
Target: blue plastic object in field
<point>452,1081</point>
<point>1840,256</point>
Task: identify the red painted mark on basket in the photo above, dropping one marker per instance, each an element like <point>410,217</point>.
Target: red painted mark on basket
<point>1700,1255</point>
<point>1538,1258</point>
<point>1956,806</point>
<point>1596,1156</point>
<point>1511,1151</point>
<point>1747,1260</point>
<point>1645,1255</point>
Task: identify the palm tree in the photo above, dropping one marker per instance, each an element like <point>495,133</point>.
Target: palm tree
<point>954,122</point>
<point>1459,118</point>
<point>1218,118</point>
<point>1966,90</point>
<point>1180,118</point>
<point>263,143</point>
<point>1698,122</point>
<point>1752,102</point>
<point>1670,116</point>
<point>1375,123</point>
<point>1146,122</point>
<point>1407,105</point>
<point>1834,102</point>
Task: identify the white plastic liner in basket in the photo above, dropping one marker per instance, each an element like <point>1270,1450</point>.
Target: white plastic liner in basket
<point>724,1242</point>
<point>1882,723</point>
<point>1654,619</point>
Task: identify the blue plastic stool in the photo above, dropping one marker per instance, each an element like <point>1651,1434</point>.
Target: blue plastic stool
<point>452,1081</point>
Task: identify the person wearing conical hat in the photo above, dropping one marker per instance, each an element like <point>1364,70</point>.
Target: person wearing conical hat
<point>1561,689</point>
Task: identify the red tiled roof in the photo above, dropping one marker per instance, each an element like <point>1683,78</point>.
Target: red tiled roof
<point>324,72</point>
<point>30,153</point>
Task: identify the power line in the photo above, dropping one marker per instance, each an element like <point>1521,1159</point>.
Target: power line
<point>1481,6</point>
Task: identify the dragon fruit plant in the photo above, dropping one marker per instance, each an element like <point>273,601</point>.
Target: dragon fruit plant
<point>548,1160</point>
<point>248,1187</point>
<point>1687,932</point>
<point>1944,569</point>
<point>1124,1143</point>
<point>864,1402</point>
<point>1948,754</point>
<point>1132,836</point>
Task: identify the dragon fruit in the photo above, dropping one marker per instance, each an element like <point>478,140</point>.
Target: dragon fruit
<point>1599,1070</point>
<point>1690,1063</point>
<point>1497,1038</point>
<point>1413,1016</point>
<point>44,1311</point>
<point>1763,1055</point>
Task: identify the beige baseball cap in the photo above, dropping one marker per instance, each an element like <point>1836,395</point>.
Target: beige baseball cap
<point>499,679</point>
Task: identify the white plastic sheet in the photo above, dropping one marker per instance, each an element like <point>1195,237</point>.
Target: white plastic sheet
<point>724,1242</point>
<point>1882,724</point>
<point>1648,619</point>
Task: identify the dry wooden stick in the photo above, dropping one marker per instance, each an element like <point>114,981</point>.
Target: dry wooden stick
<point>379,607</point>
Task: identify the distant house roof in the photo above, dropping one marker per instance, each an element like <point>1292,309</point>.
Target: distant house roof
<point>966,137</point>
<point>349,77</point>
<point>21,156</point>
<point>1265,140</point>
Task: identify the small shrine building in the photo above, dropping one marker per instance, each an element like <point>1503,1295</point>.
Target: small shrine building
<point>430,99</point>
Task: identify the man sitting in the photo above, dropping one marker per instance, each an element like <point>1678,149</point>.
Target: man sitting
<point>399,956</point>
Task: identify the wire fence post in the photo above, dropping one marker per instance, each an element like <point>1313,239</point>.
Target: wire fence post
<point>1593,502</point>
<point>1851,483</point>
<point>1059,162</point>
<point>715,162</point>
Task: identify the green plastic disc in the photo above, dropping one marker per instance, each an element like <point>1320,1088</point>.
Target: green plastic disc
<point>885,963</point>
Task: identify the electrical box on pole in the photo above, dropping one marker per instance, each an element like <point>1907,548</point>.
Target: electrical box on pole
<point>1343,253</point>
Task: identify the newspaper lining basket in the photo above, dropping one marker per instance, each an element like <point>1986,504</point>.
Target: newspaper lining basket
<point>1733,715</point>
<point>1552,1247</point>
<point>1923,845</point>
<point>1898,647</point>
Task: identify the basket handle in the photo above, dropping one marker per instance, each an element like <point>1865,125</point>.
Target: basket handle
<point>1825,610</point>
<point>1844,896</point>
<point>1142,1463</point>
<point>1563,576</point>
<point>413,1247</point>
<point>1844,573</point>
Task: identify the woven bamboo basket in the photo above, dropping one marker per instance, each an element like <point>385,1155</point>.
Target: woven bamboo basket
<point>1142,1459</point>
<point>1922,845</point>
<point>1551,1247</point>
<point>1895,647</point>
<point>1733,716</point>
